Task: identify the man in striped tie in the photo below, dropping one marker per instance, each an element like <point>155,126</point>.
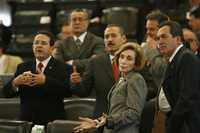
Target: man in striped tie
<point>99,76</point>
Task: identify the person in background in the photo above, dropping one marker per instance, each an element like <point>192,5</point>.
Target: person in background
<point>41,83</point>
<point>155,64</point>
<point>126,98</point>
<point>194,18</point>
<point>8,63</point>
<point>191,41</point>
<point>66,31</point>
<point>179,96</point>
<point>80,48</point>
<point>101,73</point>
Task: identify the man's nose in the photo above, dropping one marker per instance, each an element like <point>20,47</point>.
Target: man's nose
<point>110,39</point>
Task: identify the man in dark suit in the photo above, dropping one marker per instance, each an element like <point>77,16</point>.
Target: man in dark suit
<point>179,96</point>
<point>41,83</point>
<point>77,50</point>
<point>99,74</point>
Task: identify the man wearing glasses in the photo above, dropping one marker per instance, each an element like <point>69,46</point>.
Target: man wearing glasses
<point>80,48</point>
<point>41,84</point>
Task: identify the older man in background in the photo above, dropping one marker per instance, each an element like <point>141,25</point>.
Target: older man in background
<point>82,46</point>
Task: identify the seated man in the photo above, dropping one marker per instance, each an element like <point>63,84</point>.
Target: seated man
<point>41,84</point>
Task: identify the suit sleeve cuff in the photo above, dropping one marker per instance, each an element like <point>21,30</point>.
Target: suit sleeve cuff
<point>110,122</point>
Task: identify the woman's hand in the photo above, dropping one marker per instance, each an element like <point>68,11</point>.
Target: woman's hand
<point>86,124</point>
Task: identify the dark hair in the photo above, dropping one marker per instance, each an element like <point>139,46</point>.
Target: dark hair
<point>81,10</point>
<point>175,28</point>
<point>49,34</point>
<point>195,12</point>
<point>121,29</point>
<point>157,15</point>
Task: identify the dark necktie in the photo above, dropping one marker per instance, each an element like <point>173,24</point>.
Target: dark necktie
<point>78,43</point>
<point>39,67</point>
<point>115,70</point>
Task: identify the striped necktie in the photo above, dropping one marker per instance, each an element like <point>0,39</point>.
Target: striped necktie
<point>39,67</point>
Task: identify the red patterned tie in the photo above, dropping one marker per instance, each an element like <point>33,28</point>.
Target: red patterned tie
<point>39,67</point>
<point>115,70</point>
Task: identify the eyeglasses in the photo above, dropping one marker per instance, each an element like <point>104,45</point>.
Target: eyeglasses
<point>80,19</point>
<point>36,42</point>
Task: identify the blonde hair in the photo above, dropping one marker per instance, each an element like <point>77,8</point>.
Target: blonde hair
<point>139,59</point>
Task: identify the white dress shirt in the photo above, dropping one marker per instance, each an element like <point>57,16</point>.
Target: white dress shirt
<point>44,63</point>
<point>81,37</point>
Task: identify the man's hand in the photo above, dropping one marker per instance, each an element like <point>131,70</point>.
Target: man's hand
<point>152,43</point>
<point>75,77</point>
<point>37,79</point>
<point>70,62</point>
<point>93,56</point>
<point>29,79</point>
<point>22,79</point>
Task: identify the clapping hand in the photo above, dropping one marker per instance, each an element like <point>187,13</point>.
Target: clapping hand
<point>29,79</point>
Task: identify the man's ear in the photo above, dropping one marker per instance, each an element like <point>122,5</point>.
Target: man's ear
<point>179,39</point>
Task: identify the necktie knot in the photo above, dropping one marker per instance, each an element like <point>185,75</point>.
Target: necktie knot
<point>39,67</point>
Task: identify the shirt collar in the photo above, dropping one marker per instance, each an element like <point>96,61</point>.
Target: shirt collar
<point>174,53</point>
<point>81,37</point>
<point>111,57</point>
<point>44,62</point>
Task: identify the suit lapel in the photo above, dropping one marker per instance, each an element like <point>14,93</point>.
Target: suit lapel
<point>169,75</point>
<point>171,67</point>
<point>110,95</point>
<point>50,65</point>
<point>72,46</point>
<point>86,44</point>
<point>107,66</point>
<point>33,66</point>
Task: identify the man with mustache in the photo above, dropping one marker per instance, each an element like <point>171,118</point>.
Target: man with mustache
<point>99,75</point>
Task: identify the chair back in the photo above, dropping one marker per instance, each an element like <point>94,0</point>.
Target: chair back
<point>14,126</point>
<point>9,108</point>
<point>75,107</point>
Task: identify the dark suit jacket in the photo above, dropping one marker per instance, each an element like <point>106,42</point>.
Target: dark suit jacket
<point>98,77</point>
<point>181,87</point>
<point>41,104</point>
<point>68,50</point>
